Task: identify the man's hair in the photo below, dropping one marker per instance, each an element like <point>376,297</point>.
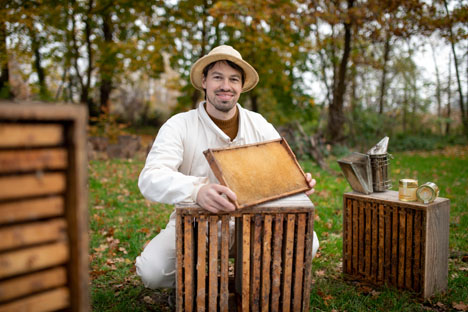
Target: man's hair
<point>232,64</point>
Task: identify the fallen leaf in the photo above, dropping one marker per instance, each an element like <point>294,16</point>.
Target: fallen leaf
<point>460,306</point>
<point>148,300</point>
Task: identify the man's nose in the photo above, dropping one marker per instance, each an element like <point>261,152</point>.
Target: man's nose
<point>225,85</point>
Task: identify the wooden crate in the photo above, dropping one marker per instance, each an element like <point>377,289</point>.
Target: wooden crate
<point>271,268</point>
<point>258,172</point>
<point>43,208</point>
<point>403,244</point>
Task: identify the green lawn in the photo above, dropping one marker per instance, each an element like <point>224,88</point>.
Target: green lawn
<point>122,221</point>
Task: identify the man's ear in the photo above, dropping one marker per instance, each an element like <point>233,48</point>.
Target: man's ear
<point>204,82</point>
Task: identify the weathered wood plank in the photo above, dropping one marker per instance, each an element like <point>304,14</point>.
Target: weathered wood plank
<point>256,264</point>
<point>31,185</point>
<point>29,160</point>
<point>288,262</point>
<point>246,263</point>
<point>308,262</point>
<point>395,259</point>
<point>277,262</point>
<point>51,300</point>
<point>213,269</point>
<point>402,249</point>
<point>266,263</point>
<point>188,264</point>
<point>179,264</point>
<point>375,241</point>
<point>27,284</point>
<point>368,233</point>
<point>362,226</point>
<point>201,263</point>
<point>32,259</point>
<point>417,251</point>
<point>16,236</point>
<point>409,249</point>
<point>299,266</point>
<point>224,280</point>
<point>381,253</point>
<point>19,135</point>
<point>28,210</point>
<point>355,224</point>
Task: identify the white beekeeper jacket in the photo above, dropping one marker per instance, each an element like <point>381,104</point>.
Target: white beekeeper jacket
<point>176,168</point>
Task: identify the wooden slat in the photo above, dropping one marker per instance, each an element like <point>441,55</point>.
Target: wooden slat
<point>29,160</point>
<point>27,284</point>
<point>256,263</point>
<point>308,262</point>
<point>19,135</point>
<point>362,226</point>
<point>51,300</point>
<point>27,210</point>
<point>355,223</point>
<point>277,263</point>
<point>33,233</point>
<point>246,263</point>
<point>288,262</point>
<point>31,185</point>
<point>409,248</point>
<point>348,235</point>
<point>180,261</point>
<point>381,243</point>
<point>388,243</point>
<point>299,267</point>
<point>213,269</point>
<point>266,263</point>
<point>188,263</point>
<point>201,263</point>
<point>32,259</point>
<point>424,235</point>
<point>402,249</point>
<point>368,234</point>
<point>224,280</point>
<point>395,258</point>
<point>417,251</point>
<point>375,241</point>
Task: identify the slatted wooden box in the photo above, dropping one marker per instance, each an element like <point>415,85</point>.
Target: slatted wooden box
<point>271,268</point>
<point>43,208</point>
<point>403,244</point>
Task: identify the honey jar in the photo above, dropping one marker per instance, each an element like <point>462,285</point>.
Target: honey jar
<point>427,192</point>
<point>407,190</point>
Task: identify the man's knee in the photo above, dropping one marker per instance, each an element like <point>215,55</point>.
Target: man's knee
<point>154,274</point>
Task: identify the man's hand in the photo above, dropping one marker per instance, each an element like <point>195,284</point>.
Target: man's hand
<point>210,197</point>
<point>311,182</point>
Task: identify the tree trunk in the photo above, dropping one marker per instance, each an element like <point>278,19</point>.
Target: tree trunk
<point>438,89</point>
<point>106,66</point>
<point>5,90</point>
<point>449,98</point>
<point>43,92</point>
<point>464,117</point>
<point>335,112</point>
<point>384,74</point>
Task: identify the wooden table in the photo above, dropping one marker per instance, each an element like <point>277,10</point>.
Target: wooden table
<point>271,266</point>
<point>404,244</point>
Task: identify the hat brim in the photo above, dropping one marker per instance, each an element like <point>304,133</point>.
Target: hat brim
<point>196,72</point>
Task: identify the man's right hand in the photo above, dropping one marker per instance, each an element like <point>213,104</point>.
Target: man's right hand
<point>210,197</point>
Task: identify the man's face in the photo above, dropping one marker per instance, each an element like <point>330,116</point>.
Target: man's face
<point>223,85</point>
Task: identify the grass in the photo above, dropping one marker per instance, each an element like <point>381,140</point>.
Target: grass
<point>122,221</point>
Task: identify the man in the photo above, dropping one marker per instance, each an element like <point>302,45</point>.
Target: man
<point>176,169</point>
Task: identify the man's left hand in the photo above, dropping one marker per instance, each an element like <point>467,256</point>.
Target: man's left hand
<point>311,182</point>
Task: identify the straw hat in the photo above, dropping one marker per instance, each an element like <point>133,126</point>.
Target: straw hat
<point>223,52</point>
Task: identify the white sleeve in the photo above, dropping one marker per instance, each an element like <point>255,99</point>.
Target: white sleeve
<point>160,180</point>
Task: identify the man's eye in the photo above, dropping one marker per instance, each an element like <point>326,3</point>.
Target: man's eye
<point>217,77</point>
<point>235,79</point>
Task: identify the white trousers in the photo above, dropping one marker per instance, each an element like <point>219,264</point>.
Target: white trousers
<point>156,264</point>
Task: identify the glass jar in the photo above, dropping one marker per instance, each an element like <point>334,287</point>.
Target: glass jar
<point>407,190</point>
<point>427,192</point>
